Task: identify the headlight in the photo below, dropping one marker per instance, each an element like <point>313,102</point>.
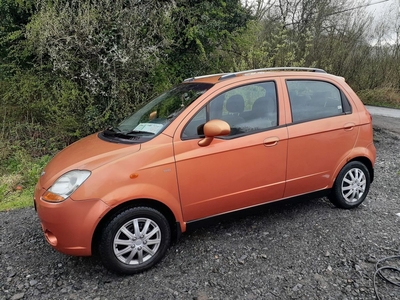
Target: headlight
<point>64,186</point>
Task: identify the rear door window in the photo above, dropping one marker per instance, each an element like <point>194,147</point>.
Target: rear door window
<point>313,99</point>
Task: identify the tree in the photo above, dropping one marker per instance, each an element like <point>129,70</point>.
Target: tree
<point>14,52</point>
<point>200,30</point>
<point>108,48</point>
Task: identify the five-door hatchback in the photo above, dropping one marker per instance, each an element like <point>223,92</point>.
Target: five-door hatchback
<point>211,145</point>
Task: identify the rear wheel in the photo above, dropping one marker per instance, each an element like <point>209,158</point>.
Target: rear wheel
<point>351,185</point>
<point>134,240</point>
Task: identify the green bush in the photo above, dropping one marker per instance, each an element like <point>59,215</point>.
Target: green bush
<point>43,113</point>
<point>21,169</point>
<point>387,97</point>
<point>19,173</point>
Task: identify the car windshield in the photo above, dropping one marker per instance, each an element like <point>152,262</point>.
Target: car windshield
<point>156,115</point>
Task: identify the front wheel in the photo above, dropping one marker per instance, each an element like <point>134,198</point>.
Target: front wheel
<point>351,185</point>
<point>134,240</point>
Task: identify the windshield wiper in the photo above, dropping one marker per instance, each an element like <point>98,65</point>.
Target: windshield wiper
<point>138,132</point>
<point>111,130</point>
<point>115,129</point>
<point>118,133</point>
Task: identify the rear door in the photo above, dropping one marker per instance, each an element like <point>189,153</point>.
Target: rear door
<point>322,134</point>
<point>243,169</point>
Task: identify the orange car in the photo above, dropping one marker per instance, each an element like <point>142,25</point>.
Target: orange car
<point>211,145</point>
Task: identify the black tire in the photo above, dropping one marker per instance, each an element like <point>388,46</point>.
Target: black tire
<point>130,253</point>
<point>351,185</point>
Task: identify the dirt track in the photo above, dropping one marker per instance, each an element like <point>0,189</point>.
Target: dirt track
<point>392,124</point>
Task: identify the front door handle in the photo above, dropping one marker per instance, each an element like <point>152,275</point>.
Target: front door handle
<point>271,141</point>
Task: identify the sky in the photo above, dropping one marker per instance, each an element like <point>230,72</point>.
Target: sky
<point>381,7</point>
<point>383,11</point>
<point>388,11</point>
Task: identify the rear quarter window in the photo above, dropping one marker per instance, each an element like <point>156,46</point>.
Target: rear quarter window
<point>314,99</point>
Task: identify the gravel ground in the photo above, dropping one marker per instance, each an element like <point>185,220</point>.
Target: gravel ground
<point>303,250</point>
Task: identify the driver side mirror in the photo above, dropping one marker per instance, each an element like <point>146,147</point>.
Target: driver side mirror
<point>212,129</point>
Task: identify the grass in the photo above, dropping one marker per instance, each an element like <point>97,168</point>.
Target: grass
<point>19,173</point>
<point>17,199</point>
<point>385,97</point>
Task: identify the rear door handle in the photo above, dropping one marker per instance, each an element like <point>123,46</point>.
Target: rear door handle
<point>349,126</point>
<point>271,141</point>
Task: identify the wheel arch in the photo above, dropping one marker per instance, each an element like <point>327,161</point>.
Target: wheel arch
<point>151,203</point>
<point>351,192</point>
<point>365,160</point>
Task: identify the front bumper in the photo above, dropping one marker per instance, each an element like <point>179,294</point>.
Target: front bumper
<point>69,225</point>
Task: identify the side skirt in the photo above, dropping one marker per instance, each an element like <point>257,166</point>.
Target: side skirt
<point>254,210</point>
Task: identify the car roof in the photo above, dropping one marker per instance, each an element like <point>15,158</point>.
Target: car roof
<point>287,71</point>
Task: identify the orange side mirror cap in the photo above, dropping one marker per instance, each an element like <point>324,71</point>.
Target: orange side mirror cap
<point>212,129</point>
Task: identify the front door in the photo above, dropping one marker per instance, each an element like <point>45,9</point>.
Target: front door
<point>244,169</point>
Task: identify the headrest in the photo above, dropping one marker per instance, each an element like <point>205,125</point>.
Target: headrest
<point>235,104</point>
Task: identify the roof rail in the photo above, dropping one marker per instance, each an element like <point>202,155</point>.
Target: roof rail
<point>204,76</point>
<point>233,74</point>
<point>229,75</point>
